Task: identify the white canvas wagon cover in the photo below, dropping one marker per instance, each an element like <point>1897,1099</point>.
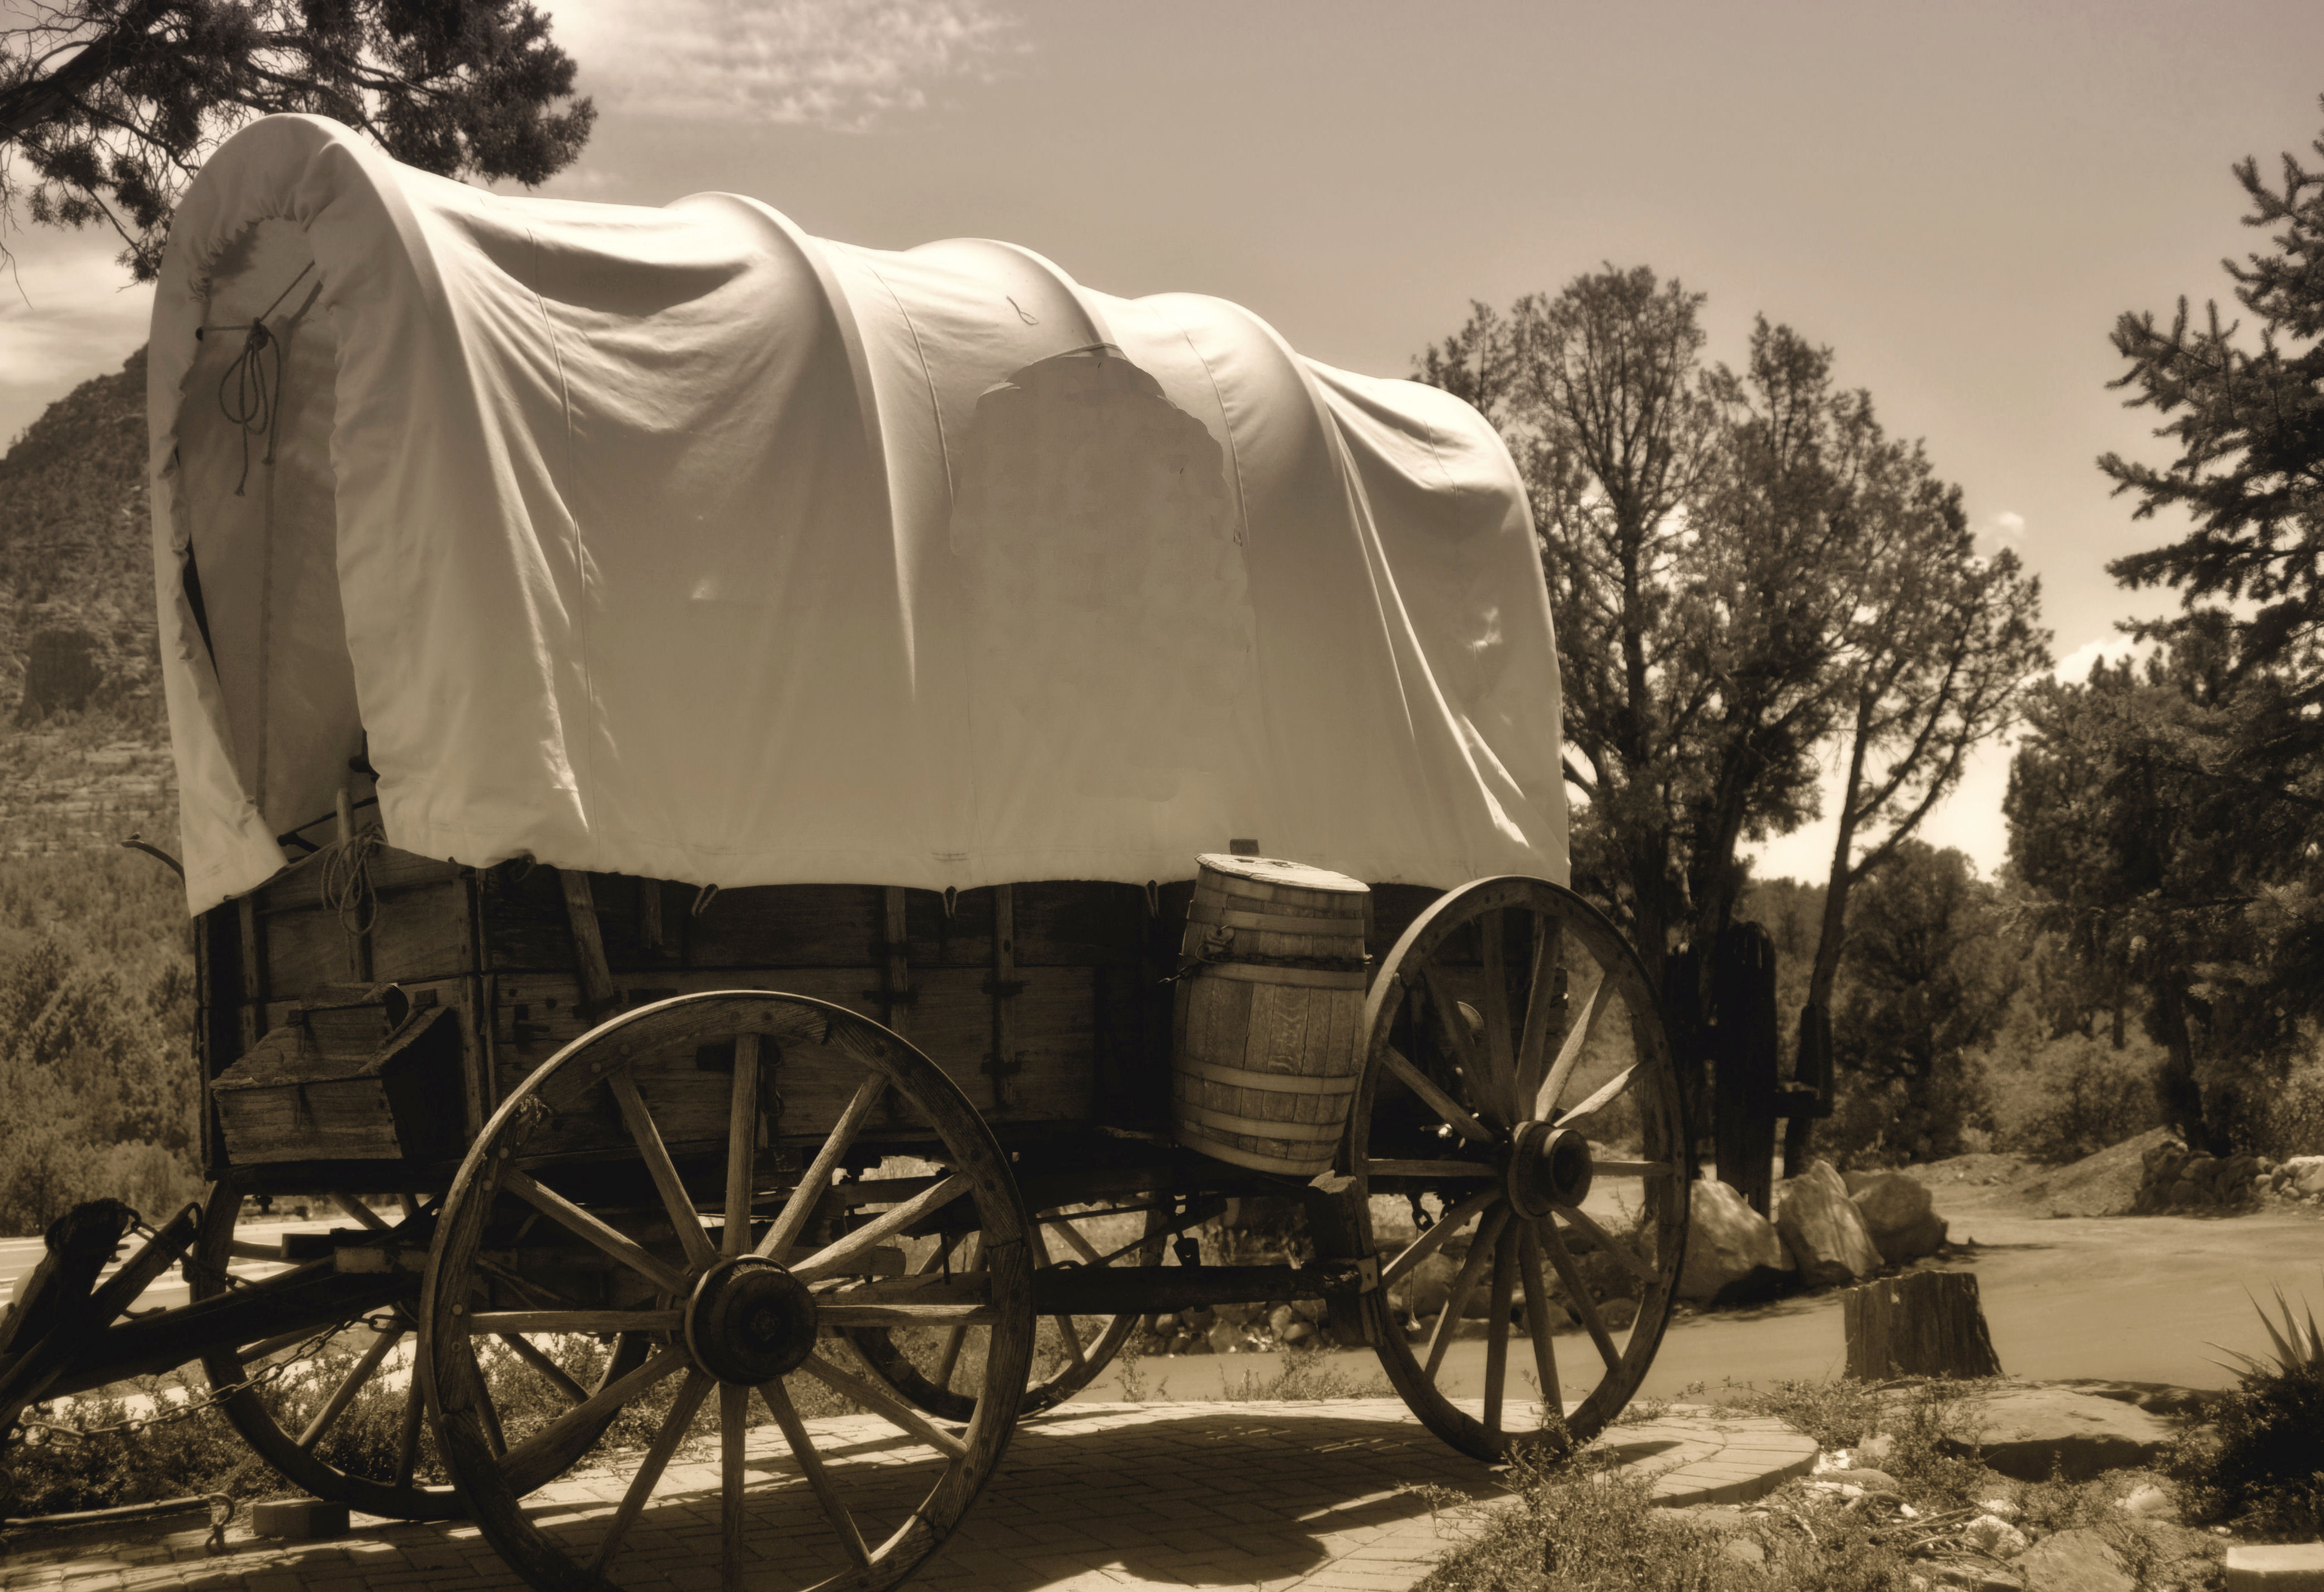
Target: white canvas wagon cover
<point>677,542</point>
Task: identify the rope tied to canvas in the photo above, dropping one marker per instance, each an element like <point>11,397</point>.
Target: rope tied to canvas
<point>347,883</point>
<point>247,396</point>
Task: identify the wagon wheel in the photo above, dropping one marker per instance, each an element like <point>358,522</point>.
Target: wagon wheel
<point>1495,1070</point>
<point>389,1485</point>
<point>1069,1352</point>
<point>741,1302</point>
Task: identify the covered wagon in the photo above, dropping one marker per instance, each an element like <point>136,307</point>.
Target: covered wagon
<point>694,742</point>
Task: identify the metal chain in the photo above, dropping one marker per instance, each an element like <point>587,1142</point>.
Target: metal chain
<point>24,1431</point>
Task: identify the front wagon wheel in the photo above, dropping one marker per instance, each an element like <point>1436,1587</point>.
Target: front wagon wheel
<point>1514,1061</point>
<point>738,1175</point>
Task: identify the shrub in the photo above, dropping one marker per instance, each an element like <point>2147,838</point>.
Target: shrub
<point>2261,1468</point>
<point>2072,1097</point>
<point>2288,1118</point>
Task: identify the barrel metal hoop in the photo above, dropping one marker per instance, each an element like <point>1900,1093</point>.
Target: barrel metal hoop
<point>1271,1082</point>
<point>1273,972</point>
<point>1289,1133</point>
<point>1336,928</point>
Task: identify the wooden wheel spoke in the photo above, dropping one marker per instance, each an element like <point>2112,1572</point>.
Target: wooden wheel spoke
<point>1635,1168</point>
<point>1500,1041</point>
<point>362,1212</point>
<point>1480,1251</point>
<point>1570,1052</point>
<point>885,1405</point>
<point>1540,1007</point>
<point>1064,1324</point>
<point>1605,1096</point>
<point>1627,1259</point>
<point>1436,1099</point>
<point>1483,1087</point>
<point>778,1404</point>
<point>1080,1246</point>
<point>816,1181</point>
<point>1435,1238</point>
<point>578,1427</point>
<point>1497,1337</point>
<point>1583,1305</point>
<point>561,1210</point>
<point>488,1410</point>
<point>733,1428</point>
<point>742,1145</point>
<point>407,1447</point>
<point>499,1322</point>
<point>345,1394</point>
<point>651,1464</point>
<point>835,1257</point>
<point>651,1149</point>
<point>1537,1326</point>
<point>549,1370</point>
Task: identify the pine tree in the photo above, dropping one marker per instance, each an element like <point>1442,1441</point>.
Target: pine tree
<point>113,105</point>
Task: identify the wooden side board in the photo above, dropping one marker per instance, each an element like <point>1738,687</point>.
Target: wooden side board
<point>1070,1024</point>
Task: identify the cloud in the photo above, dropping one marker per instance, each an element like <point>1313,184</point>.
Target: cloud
<point>68,312</point>
<point>2008,526</point>
<point>2074,668</point>
<point>846,65</point>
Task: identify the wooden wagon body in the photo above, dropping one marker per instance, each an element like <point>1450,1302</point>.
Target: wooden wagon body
<point>391,1029</point>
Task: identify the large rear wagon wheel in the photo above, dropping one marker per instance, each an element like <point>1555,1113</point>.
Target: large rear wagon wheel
<point>744,1257</point>
<point>1508,1034</point>
<point>387,1480</point>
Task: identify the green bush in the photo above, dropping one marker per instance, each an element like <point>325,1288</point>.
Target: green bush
<point>99,1093</point>
<point>2064,1099</point>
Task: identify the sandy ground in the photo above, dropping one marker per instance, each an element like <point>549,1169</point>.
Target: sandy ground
<point>2132,1298</point>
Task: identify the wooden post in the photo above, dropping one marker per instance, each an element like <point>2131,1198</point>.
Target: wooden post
<point>1005,988</point>
<point>1919,1324</point>
<point>588,944</point>
<point>896,975</point>
<point>1744,1046</point>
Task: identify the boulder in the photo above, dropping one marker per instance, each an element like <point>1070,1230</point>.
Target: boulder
<point>1898,1210</point>
<point>2305,1174</point>
<point>1824,1229</point>
<point>2028,1429</point>
<point>1732,1250</point>
<point>2076,1559</point>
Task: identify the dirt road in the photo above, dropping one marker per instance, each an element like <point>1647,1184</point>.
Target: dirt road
<point>2132,1298</point>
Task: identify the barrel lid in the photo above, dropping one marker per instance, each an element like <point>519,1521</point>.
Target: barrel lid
<point>1278,871</point>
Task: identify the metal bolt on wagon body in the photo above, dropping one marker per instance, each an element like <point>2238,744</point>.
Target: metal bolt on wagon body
<point>694,743</point>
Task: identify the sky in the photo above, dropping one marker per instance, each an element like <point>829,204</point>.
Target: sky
<point>1958,199</point>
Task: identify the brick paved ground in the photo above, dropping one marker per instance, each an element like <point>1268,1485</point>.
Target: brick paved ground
<point>1273,1495</point>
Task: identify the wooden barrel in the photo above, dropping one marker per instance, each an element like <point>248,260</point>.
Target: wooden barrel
<point>1270,1005</point>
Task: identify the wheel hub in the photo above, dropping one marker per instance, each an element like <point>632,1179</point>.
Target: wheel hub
<point>1547,1166</point>
<point>750,1320</point>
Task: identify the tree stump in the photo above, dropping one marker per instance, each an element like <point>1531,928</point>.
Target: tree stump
<point>1921,1324</point>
